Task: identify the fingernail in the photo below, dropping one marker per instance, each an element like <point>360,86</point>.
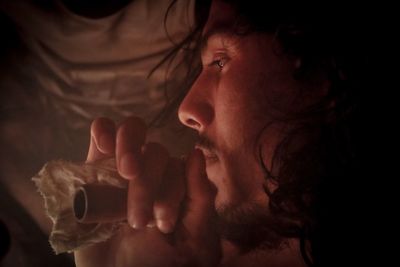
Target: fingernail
<point>106,143</point>
<point>151,224</point>
<point>165,226</point>
<point>137,223</point>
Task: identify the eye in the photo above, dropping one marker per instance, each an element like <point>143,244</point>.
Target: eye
<point>219,62</point>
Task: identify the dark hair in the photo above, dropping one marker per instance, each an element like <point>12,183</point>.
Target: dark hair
<point>189,64</point>
<point>327,37</point>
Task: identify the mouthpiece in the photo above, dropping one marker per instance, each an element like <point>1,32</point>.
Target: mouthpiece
<point>94,203</point>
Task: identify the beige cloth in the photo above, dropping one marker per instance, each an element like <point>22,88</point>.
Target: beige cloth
<point>84,68</point>
<point>96,64</point>
<point>58,182</point>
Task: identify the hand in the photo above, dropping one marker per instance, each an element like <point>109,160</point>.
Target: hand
<point>178,200</point>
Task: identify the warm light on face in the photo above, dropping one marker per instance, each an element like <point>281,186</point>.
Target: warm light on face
<point>230,104</point>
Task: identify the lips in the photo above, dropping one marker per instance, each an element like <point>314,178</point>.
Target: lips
<point>209,156</point>
<point>212,169</point>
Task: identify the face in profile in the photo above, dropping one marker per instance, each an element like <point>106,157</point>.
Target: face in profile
<point>245,84</point>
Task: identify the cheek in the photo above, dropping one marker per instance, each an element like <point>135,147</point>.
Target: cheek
<point>246,179</point>
<point>240,114</point>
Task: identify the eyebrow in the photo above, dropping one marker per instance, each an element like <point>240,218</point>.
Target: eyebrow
<point>220,30</point>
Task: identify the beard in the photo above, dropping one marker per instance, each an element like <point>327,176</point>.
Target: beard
<point>249,227</point>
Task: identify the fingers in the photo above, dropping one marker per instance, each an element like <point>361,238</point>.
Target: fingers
<point>200,231</point>
<point>156,186</point>
<point>200,211</point>
<point>102,139</point>
<point>131,136</point>
<point>143,188</point>
<point>167,205</point>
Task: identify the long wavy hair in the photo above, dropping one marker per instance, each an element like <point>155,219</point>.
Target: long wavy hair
<point>320,153</point>
<point>318,157</point>
<point>188,62</point>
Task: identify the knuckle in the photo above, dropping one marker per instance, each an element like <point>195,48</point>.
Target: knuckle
<point>132,131</point>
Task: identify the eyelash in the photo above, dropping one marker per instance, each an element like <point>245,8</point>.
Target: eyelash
<point>219,62</point>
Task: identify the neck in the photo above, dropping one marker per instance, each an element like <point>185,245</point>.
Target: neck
<point>287,256</point>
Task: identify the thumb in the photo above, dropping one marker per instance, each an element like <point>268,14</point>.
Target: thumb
<point>200,210</point>
<point>199,217</point>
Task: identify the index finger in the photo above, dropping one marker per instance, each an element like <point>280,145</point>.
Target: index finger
<point>131,136</point>
<point>200,195</point>
<point>102,139</point>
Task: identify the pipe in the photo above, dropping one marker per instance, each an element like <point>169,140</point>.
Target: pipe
<point>94,203</point>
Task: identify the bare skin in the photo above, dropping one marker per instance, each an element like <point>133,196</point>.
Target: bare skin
<point>158,188</point>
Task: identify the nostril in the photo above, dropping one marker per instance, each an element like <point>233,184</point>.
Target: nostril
<point>196,112</point>
<point>193,123</point>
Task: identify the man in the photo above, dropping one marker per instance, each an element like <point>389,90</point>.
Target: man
<point>269,110</point>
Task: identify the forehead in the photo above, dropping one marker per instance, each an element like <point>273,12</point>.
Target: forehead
<point>220,14</point>
<point>221,36</point>
<point>222,29</point>
<point>220,21</point>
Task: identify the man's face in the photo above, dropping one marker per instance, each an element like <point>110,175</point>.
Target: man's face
<point>242,85</point>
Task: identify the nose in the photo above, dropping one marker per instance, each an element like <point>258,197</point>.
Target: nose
<point>196,110</point>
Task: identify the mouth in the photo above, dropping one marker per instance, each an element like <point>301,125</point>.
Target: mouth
<point>211,161</point>
<point>209,155</point>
